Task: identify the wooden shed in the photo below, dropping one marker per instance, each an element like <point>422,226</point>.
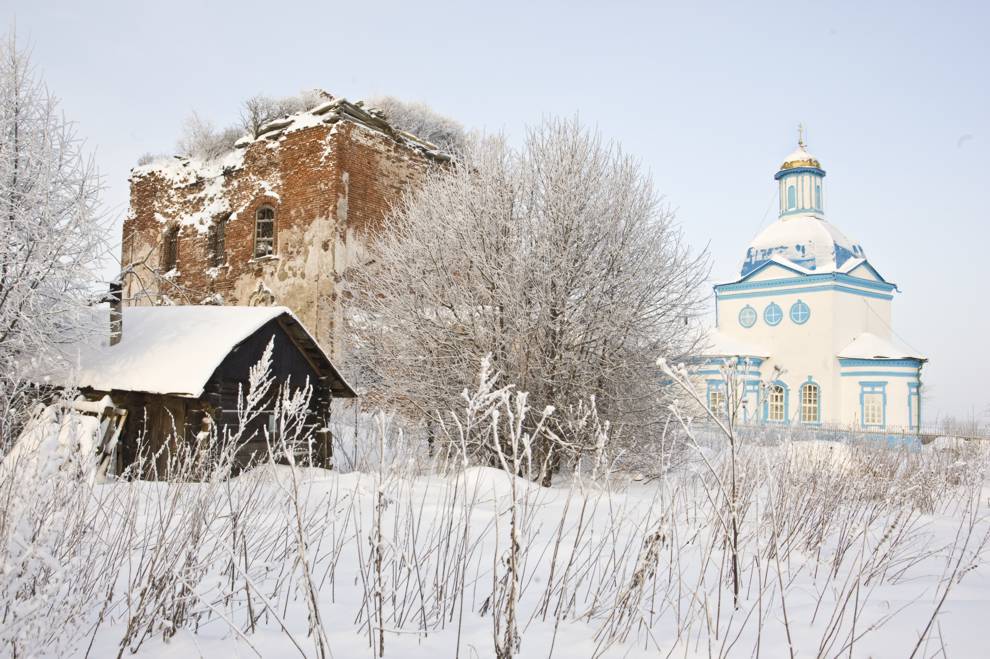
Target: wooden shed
<point>177,370</point>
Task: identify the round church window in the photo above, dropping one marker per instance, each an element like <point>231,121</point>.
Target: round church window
<point>747,316</point>
<point>800,312</point>
<point>773,314</point>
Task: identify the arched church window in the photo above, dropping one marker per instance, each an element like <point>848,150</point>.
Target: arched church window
<point>800,312</point>
<point>776,403</point>
<point>747,316</point>
<point>810,403</point>
<point>791,197</point>
<point>170,249</point>
<point>773,314</point>
<point>818,196</point>
<point>217,242</point>
<point>264,232</point>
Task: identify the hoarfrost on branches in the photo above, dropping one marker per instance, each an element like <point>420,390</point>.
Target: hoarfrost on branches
<point>424,122</point>
<point>200,138</point>
<point>51,226</point>
<point>260,109</point>
<point>558,260</point>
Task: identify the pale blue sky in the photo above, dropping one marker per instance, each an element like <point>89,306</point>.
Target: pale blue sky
<point>707,95</point>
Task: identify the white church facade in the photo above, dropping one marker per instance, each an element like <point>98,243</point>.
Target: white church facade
<point>808,323</point>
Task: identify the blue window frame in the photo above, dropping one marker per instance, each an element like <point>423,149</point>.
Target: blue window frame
<point>772,314</point>
<point>791,197</point>
<point>716,398</point>
<point>818,196</point>
<point>800,312</point>
<point>775,403</point>
<point>747,316</point>
<point>811,402</point>
<point>873,404</point>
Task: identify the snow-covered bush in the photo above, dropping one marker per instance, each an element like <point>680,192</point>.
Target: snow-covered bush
<point>424,122</point>
<point>259,110</point>
<point>201,139</point>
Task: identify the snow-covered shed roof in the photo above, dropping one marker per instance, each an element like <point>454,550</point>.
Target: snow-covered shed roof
<point>174,350</point>
<point>723,345</point>
<point>871,346</point>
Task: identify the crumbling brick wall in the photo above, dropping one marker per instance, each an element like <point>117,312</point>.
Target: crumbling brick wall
<point>330,175</point>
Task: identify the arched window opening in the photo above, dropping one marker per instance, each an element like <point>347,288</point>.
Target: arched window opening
<point>810,399</point>
<point>264,232</point>
<point>217,242</point>
<point>170,249</point>
<point>818,196</point>
<point>776,403</point>
<point>791,197</point>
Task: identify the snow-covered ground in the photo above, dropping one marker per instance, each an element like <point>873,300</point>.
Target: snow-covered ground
<point>843,550</point>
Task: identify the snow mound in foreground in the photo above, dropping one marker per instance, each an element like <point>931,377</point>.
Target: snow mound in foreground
<point>498,483</point>
<point>51,438</point>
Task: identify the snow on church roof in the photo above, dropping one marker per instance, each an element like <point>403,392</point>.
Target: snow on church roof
<point>800,158</point>
<point>171,350</point>
<point>871,346</point>
<point>806,241</point>
<point>723,345</point>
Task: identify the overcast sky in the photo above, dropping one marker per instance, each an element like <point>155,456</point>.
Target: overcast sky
<point>708,96</point>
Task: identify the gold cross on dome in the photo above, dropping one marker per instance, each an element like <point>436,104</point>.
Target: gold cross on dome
<point>801,135</point>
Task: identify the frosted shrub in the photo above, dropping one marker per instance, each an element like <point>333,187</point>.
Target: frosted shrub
<point>506,254</point>
<point>424,122</point>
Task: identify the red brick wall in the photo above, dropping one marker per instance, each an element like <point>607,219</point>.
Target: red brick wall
<point>327,183</point>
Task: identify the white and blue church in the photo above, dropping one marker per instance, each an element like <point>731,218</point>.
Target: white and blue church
<point>808,322</point>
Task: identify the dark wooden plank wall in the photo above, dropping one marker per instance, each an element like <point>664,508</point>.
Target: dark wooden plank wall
<point>154,417</point>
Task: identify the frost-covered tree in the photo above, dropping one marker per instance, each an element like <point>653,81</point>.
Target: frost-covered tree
<point>422,121</point>
<point>260,109</point>
<point>200,138</point>
<point>559,260</point>
<point>51,227</point>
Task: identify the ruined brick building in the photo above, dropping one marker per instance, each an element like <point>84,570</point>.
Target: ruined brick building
<point>276,221</point>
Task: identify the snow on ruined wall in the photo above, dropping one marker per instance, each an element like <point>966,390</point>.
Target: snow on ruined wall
<point>329,183</point>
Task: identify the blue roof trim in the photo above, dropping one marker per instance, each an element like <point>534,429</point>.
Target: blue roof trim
<point>798,170</point>
<point>756,259</point>
<point>869,266</point>
<point>766,264</point>
<point>814,212</point>
<point>805,289</point>
<point>743,285</point>
<point>909,362</point>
